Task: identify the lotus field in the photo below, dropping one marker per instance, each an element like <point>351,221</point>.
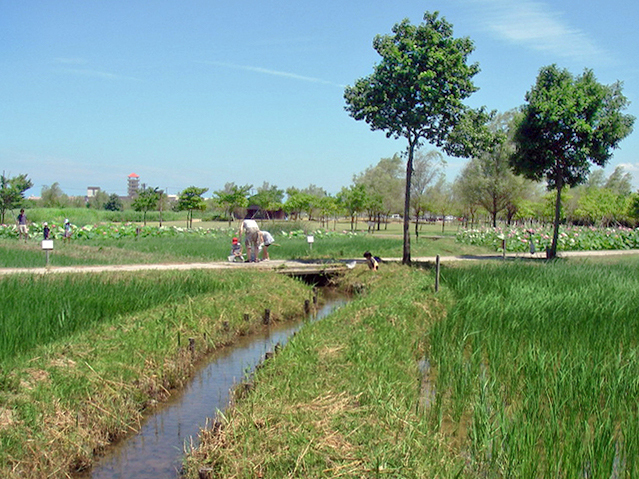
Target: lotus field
<point>571,238</point>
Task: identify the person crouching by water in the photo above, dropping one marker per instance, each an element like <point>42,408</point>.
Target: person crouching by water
<point>371,261</point>
<point>251,232</point>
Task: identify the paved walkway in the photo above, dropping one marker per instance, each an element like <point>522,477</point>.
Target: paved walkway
<point>300,267</point>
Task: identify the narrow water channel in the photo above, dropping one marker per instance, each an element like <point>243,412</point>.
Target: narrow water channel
<point>156,451</point>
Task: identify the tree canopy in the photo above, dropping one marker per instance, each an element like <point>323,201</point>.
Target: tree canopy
<point>417,92</point>
<point>148,199</point>
<point>568,124</point>
<point>12,192</point>
<point>190,199</point>
<point>231,198</point>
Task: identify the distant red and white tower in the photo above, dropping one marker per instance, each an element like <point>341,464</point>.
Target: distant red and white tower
<point>133,185</point>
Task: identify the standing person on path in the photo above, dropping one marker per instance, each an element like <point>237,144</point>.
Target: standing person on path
<point>251,232</point>
<point>23,228</point>
<point>46,231</point>
<point>266,240</point>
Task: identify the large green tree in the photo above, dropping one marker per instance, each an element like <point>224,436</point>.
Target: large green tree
<point>12,192</point>
<point>568,124</point>
<point>417,91</point>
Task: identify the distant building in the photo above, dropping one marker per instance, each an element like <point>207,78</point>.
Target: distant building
<point>133,185</point>
<point>92,191</point>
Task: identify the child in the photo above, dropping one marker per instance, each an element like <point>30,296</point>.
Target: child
<point>236,251</point>
<point>371,261</point>
<point>67,231</point>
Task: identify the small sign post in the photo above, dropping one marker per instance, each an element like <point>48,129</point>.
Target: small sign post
<point>47,246</point>
<point>310,239</point>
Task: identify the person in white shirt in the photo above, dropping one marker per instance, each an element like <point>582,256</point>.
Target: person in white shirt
<point>251,231</point>
<point>266,240</point>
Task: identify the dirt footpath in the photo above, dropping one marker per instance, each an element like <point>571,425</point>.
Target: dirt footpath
<point>290,267</point>
<point>293,267</point>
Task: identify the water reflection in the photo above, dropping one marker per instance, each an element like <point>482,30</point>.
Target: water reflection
<point>157,450</point>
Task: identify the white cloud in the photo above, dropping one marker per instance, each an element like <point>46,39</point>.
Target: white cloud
<point>537,26</point>
<point>99,74</point>
<point>293,76</point>
<point>70,61</point>
<point>631,167</point>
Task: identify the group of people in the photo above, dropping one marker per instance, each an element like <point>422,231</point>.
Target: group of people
<point>254,241</point>
<point>23,228</point>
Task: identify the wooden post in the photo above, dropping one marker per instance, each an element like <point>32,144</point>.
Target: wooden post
<point>437,274</point>
<point>267,316</point>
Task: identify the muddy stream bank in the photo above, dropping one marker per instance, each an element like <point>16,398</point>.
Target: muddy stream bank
<point>157,450</point>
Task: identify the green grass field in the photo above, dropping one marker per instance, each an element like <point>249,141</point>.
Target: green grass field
<point>82,356</point>
<point>513,370</point>
<point>206,248</point>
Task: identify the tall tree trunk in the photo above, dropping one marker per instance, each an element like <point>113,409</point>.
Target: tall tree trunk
<point>555,233</point>
<point>409,175</point>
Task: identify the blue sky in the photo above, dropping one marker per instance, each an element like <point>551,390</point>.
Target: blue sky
<point>208,92</point>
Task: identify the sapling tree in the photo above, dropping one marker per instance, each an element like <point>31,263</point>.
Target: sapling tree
<point>568,124</point>
<point>148,199</point>
<point>417,91</point>
<point>190,199</point>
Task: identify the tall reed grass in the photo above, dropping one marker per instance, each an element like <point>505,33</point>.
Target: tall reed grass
<point>537,368</point>
<point>41,309</point>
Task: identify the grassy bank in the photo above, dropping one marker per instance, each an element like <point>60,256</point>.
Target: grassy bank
<point>343,398</point>
<point>85,355</point>
<point>530,370</point>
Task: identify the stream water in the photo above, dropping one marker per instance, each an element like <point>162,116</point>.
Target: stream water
<point>156,451</point>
